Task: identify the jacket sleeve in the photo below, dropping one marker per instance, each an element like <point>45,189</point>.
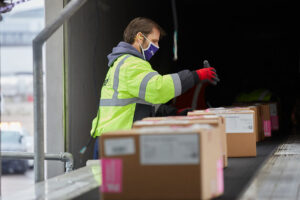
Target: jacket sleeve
<point>166,110</point>
<point>149,85</point>
<point>188,79</point>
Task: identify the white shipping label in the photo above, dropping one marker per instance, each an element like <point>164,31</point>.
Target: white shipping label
<point>210,117</point>
<point>273,109</point>
<point>162,122</point>
<point>119,146</point>
<point>169,149</point>
<point>239,123</point>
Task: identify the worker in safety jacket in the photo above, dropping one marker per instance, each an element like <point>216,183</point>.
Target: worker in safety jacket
<point>132,88</point>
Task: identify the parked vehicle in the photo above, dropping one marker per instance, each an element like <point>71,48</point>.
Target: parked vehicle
<point>13,139</point>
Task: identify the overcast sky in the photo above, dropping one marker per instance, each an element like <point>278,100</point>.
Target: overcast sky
<point>8,55</point>
<point>27,6</point>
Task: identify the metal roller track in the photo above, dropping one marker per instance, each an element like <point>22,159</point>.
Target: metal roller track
<point>279,178</point>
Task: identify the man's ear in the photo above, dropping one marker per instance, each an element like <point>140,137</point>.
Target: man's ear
<point>139,38</point>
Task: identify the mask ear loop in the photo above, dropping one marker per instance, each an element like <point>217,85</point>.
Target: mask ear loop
<point>149,43</point>
<point>142,48</point>
<point>142,51</point>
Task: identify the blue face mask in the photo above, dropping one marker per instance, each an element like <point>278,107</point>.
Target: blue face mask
<point>150,50</point>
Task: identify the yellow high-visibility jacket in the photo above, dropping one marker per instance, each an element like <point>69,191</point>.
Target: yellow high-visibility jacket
<point>132,88</point>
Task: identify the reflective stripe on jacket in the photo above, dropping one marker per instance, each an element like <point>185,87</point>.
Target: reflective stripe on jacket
<point>130,91</point>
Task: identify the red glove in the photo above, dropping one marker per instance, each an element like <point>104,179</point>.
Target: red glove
<point>183,111</point>
<point>208,74</point>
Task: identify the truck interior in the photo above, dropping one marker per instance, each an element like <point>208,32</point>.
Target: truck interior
<point>252,45</point>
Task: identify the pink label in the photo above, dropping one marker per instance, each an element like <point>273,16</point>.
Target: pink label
<point>220,176</point>
<point>274,123</point>
<point>267,128</point>
<point>111,175</point>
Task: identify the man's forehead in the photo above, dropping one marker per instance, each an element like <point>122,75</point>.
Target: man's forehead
<point>155,32</point>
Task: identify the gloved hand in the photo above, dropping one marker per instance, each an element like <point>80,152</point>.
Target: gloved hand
<point>208,74</point>
<point>183,111</point>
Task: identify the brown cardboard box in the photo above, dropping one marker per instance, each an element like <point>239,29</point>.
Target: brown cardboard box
<point>269,118</point>
<point>274,116</point>
<point>266,120</point>
<point>213,120</point>
<point>240,130</point>
<point>256,109</point>
<point>260,127</point>
<point>174,121</point>
<point>161,163</point>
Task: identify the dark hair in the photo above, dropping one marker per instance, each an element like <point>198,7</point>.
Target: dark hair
<point>143,25</point>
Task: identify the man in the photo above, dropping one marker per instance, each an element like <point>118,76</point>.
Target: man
<point>131,87</point>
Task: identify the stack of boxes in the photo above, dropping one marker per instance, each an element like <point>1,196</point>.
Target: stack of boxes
<point>268,118</point>
<point>181,157</point>
<point>241,130</point>
<point>215,121</point>
<point>162,163</point>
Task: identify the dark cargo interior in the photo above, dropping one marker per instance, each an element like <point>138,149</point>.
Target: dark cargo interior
<point>253,45</point>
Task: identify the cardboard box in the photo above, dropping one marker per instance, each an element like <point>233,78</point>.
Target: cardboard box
<point>213,120</point>
<point>267,123</point>
<point>266,120</point>
<point>274,116</point>
<point>240,130</point>
<point>260,124</point>
<point>257,109</point>
<point>260,128</point>
<point>161,163</point>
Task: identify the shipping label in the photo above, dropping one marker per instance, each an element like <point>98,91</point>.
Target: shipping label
<point>111,175</point>
<point>267,128</point>
<point>119,146</point>
<point>169,149</point>
<point>239,123</point>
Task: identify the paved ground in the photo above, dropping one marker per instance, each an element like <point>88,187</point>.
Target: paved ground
<point>22,112</point>
<point>14,182</point>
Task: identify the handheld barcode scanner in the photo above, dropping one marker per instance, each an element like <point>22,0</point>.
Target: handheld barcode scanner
<point>206,64</point>
<point>200,87</point>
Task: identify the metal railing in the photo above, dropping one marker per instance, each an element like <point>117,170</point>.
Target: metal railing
<point>39,156</point>
<point>38,83</point>
<point>65,157</point>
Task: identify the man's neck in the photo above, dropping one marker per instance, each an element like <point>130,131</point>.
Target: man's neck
<point>137,46</point>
